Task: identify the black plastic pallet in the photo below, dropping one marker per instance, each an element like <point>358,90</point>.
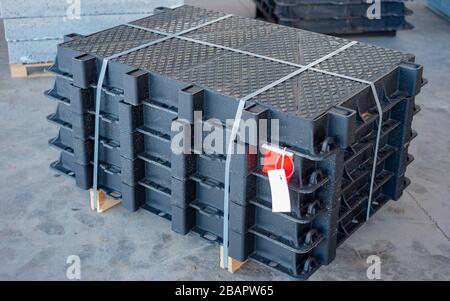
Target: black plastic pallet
<point>335,17</point>
<point>333,9</point>
<point>346,26</point>
<point>327,121</point>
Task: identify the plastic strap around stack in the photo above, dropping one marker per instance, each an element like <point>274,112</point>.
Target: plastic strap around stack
<point>237,121</point>
<point>101,79</point>
<point>380,122</point>
<point>377,145</point>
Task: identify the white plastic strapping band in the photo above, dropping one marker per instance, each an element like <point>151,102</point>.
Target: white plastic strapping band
<point>380,123</point>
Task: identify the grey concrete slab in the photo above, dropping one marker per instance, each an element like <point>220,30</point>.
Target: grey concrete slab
<point>28,52</point>
<point>44,218</point>
<point>61,8</point>
<point>50,28</point>
<point>35,40</point>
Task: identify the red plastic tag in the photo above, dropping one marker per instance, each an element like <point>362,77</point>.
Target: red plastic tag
<point>276,158</point>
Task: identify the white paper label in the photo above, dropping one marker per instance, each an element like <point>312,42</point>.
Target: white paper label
<point>280,191</point>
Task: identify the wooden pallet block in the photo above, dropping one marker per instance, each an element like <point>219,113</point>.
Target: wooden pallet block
<point>233,264</point>
<point>104,202</point>
<point>29,70</point>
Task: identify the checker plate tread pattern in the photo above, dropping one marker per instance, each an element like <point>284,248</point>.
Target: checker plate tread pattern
<point>112,41</point>
<point>270,40</point>
<point>179,19</point>
<point>296,46</point>
<point>233,32</point>
<point>170,57</point>
<point>309,94</point>
<point>236,75</point>
<point>363,61</point>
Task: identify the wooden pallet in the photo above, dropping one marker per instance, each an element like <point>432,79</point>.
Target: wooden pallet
<point>233,264</point>
<point>29,70</point>
<point>104,202</point>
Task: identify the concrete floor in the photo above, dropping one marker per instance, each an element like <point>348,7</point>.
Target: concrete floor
<point>44,218</point>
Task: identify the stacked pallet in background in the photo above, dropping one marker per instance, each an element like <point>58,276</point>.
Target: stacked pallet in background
<point>335,16</point>
<point>33,28</point>
<point>188,60</point>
